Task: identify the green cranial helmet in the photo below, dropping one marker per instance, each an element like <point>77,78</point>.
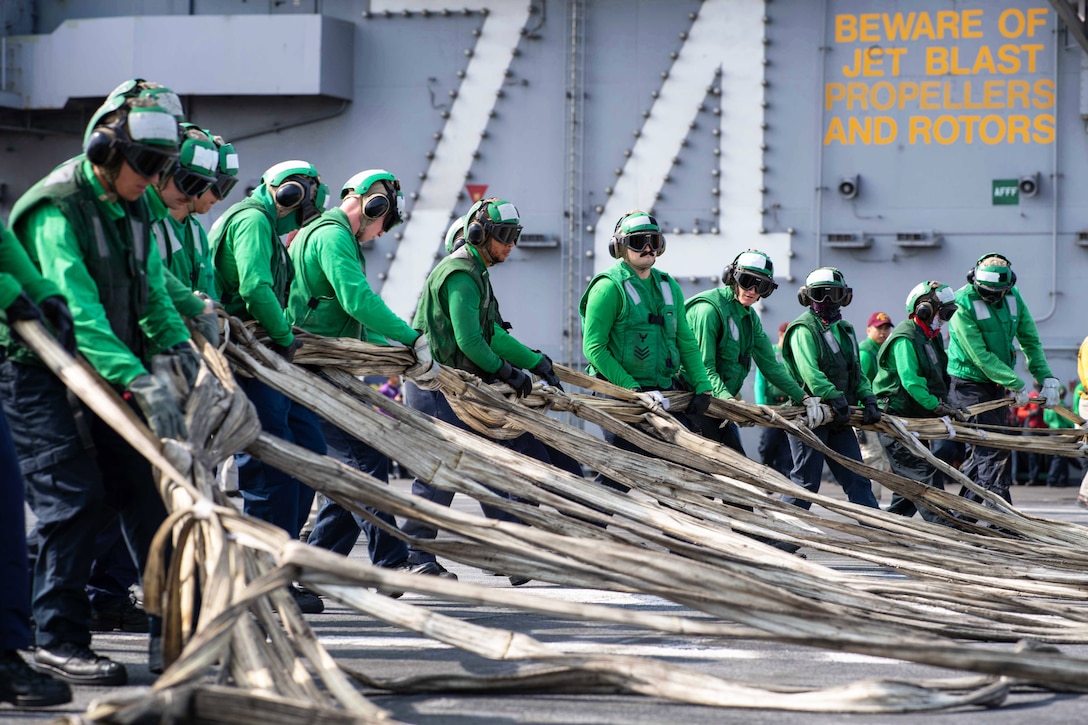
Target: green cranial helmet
<point>496,217</point>
<point>455,235</point>
<point>931,299</point>
<point>226,175</point>
<point>636,230</point>
<point>825,284</point>
<point>146,92</point>
<point>379,195</point>
<point>295,186</point>
<point>198,161</point>
<point>751,269</point>
<point>992,276</point>
<point>138,132</point>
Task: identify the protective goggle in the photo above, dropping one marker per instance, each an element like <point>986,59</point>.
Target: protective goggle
<point>641,241</point>
<point>945,312</point>
<point>828,294</point>
<point>147,161</point>
<point>223,184</point>
<point>748,281</point>
<point>190,183</point>
<point>507,234</point>
<point>992,295</point>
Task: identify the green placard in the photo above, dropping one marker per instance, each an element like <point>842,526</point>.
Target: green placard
<point>1006,191</point>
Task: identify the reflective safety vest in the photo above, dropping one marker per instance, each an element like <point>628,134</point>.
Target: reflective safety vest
<point>115,251</point>
<point>643,338</point>
<point>841,367</point>
<point>932,366</point>
<point>434,319</point>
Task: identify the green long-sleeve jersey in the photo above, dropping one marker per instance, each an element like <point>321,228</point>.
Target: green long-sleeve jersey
<point>18,273</point>
<point>981,346</point>
<point>54,246</point>
<point>330,295</point>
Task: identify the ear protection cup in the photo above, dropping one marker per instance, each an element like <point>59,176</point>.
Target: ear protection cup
<point>727,274</point>
<point>925,309</point>
<point>802,296</point>
<point>474,230</point>
<point>375,206</point>
<point>101,147</point>
<point>289,194</point>
<point>925,312</point>
<point>616,248</point>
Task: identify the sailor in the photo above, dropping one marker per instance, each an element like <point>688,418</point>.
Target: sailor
<point>731,337</point>
<point>330,296</point>
<point>635,329</point>
<point>460,316</point>
<point>991,315</point>
<point>87,227</point>
<point>172,198</point>
<point>821,351</point>
<point>912,381</point>
<point>252,277</point>
<point>190,258</point>
<point>19,684</point>
<point>774,445</point>
<point>876,332</point>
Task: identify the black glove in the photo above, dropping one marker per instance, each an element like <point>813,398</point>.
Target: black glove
<point>943,409</point>
<point>699,404</point>
<point>872,413</point>
<point>59,317</point>
<point>23,308</point>
<point>287,352</point>
<point>840,410</point>
<point>207,324</point>
<point>546,372</point>
<point>157,403</point>
<point>516,378</point>
<point>189,360</point>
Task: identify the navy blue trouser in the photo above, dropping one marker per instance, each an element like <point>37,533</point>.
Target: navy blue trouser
<point>112,572</point>
<point>774,450</point>
<point>624,445</point>
<point>906,464</point>
<point>721,431</point>
<point>15,594</point>
<point>268,493</point>
<point>67,489</point>
<point>808,466</point>
<point>434,404</point>
<point>336,528</point>
<point>988,467</point>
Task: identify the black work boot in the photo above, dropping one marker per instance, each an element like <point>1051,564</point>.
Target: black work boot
<point>23,687</point>
<point>124,616</point>
<point>79,665</point>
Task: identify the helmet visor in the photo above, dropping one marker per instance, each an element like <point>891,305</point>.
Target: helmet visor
<point>190,182</point>
<point>749,281</point>
<point>223,185</point>
<point>641,241</point>
<point>507,234</point>
<point>827,294</point>
<point>148,161</point>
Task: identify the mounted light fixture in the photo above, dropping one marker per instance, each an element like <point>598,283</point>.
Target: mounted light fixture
<point>1029,184</point>
<point>848,186</point>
